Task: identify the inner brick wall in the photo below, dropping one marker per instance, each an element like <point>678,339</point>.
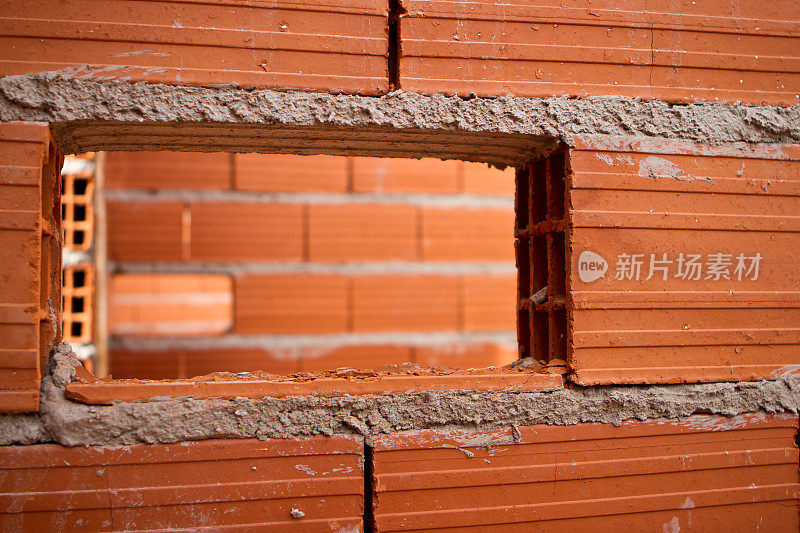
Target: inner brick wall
<point>282,263</point>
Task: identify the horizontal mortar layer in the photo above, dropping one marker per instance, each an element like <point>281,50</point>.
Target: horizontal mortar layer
<point>173,420</point>
<point>504,130</point>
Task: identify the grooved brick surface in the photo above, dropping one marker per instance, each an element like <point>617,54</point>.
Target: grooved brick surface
<point>680,51</point>
<point>467,234</point>
<point>252,484</point>
<point>167,170</point>
<point>144,231</point>
<point>388,175</point>
<point>712,236</point>
<point>362,232</point>
<point>405,303</point>
<point>291,303</point>
<point>246,232</point>
<point>282,44</point>
<point>702,473</point>
<point>30,260</point>
<point>291,173</point>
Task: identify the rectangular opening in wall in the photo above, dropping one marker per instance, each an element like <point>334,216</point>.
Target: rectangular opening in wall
<point>291,264</point>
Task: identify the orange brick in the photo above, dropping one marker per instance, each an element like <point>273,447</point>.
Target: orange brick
<point>246,232</point>
<point>356,232</point>
<point>77,297</point>
<point>490,303</point>
<point>202,362</point>
<point>362,357</point>
<point>376,174</point>
<point>696,468</point>
<point>467,234</point>
<point>30,260</point>
<point>124,364</point>
<point>167,170</point>
<point>144,231</point>
<point>492,48</point>
<point>334,46</point>
<point>175,364</point>
<point>405,303</point>
<point>291,173</point>
<point>77,211</point>
<point>480,178</point>
<point>214,484</point>
<point>290,304</point>
<point>464,355</point>
<point>170,304</point>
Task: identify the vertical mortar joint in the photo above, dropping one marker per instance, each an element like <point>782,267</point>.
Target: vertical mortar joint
<point>396,11</point>
<point>369,490</point>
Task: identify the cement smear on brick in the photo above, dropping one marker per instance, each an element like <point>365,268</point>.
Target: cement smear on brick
<point>172,420</point>
<point>88,115</point>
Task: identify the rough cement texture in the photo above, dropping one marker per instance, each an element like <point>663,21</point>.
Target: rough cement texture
<point>70,104</point>
<point>22,429</point>
<point>173,420</point>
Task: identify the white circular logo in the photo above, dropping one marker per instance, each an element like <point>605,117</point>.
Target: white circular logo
<point>591,266</point>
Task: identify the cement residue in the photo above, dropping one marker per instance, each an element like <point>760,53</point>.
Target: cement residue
<point>180,419</point>
<point>61,99</point>
<point>22,429</point>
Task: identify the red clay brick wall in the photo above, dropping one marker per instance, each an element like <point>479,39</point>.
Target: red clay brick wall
<point>30,260</point>
<point>703,473</point>
<point>701,245</point>
<point>330,45</point>
<point>252,484</point>
<point>391,261</point>
<point>673,51</point>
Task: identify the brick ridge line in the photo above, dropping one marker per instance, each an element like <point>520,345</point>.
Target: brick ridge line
<point>460,200</point>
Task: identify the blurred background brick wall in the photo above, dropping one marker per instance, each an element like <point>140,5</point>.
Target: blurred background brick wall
<point>242,262</point>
